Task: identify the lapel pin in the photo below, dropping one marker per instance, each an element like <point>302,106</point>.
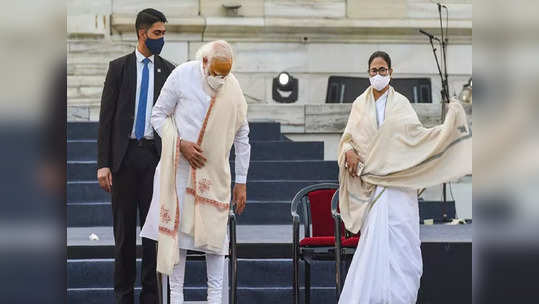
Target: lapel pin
<point>158,70</point>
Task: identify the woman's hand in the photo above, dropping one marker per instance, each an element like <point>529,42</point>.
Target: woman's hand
<point>352,160</point>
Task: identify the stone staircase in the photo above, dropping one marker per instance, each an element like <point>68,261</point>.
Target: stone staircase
<point>279,168</point>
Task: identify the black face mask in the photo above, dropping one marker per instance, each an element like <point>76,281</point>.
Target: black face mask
<point>155,45</point>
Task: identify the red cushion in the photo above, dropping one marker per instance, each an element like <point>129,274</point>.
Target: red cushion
<point>322,221</point>
<point>350,242</point>
<point>323,241</point>
<point>318,241</point>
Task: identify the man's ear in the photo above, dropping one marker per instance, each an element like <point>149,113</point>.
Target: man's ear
<point>141,33</point>
<point>204,61</point>
<point>391,72</point>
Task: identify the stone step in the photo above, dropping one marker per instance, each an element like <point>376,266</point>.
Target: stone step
<point>263,295</point>
<point>98,273</point>
<point>96,214</point>
<point>87,68</point>
<point>253,241</point>
<point>266,170</point>
<point>261,275</point>
<point>86,150</point>
<point>259,131</point>
<point>264,190</point>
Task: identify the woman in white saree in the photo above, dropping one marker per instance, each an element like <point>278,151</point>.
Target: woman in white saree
<point>385,155</point>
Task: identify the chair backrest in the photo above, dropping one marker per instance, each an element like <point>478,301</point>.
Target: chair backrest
<point>335,203</point>
<point>315,204</point>
<point>321,219</point>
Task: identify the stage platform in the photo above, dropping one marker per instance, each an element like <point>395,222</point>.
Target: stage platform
<point>265,265</point>
<point>254,241</point>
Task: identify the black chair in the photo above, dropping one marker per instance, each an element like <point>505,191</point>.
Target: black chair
<point>314,203</point>
<point>344,246</point>
<point>162,280</point>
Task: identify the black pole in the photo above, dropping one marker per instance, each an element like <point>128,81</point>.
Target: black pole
<point>232,259</point>
<point>445,87</point>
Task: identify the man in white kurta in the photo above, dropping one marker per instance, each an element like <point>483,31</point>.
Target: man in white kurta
<point>387,266</point>
<point>187,95</point>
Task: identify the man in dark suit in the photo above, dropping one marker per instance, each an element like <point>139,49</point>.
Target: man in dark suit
<point>128,151</point>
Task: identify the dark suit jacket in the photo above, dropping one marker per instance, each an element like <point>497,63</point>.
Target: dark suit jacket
<point>118,108</point>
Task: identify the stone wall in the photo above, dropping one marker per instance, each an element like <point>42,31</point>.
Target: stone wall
<point>311,39</point>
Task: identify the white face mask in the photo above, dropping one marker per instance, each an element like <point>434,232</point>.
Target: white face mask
<point>379,82</point>
<point>215,82</point>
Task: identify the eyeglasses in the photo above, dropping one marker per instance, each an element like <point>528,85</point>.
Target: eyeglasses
<point>382,71</point>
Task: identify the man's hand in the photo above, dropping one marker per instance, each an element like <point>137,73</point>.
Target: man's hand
<point>352,160</point>
<point>104,177</point>
<point>240,196</point>
<point>193,153</point>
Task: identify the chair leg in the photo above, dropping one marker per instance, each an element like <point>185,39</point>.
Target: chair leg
<point>338,275</point>
<point>295,280</point>
<point>307,283</point>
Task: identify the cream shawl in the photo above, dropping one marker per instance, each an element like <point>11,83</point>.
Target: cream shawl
<point>207,197</point>
<point>401,153</point>
<point>169,213</point>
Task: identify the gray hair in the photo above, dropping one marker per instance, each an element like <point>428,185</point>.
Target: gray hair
<point>215,49</point>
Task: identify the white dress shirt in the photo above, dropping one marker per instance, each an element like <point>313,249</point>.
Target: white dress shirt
<point>183,95</point>
<point>148,131</point>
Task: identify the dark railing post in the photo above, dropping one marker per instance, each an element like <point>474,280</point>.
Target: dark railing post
<point>232,260</point>
<point>338,245</point>
<point>159,278</point>
<point>307,282</point>
<point>159,288</point>
<point>338,252</point>
<point>295,255</point>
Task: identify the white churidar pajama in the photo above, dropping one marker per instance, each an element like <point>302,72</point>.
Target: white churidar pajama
<point>185,98</point>
<point>387,265</point>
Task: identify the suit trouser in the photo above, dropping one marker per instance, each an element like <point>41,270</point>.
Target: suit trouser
<point>132,188</point>
<point>215,271</point>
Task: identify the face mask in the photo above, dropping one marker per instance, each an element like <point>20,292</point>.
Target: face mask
<point>379,82</point>
<point>215,82</point>
<point>155,45</point>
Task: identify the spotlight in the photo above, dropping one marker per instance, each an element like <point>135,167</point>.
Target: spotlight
<point>285,88</point>
<point>466,94</point>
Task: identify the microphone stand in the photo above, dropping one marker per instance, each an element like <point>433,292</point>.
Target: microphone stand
<point>445,87</point>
